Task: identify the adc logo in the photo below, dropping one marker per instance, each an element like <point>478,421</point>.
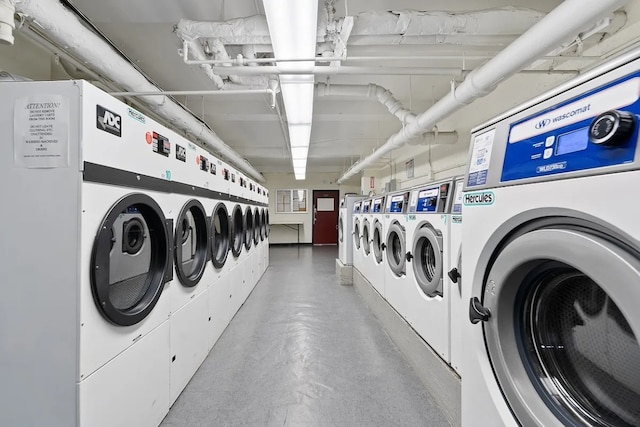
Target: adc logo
<point>108,121</point>
<point>542,123</point>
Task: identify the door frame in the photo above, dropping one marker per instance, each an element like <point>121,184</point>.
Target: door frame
<point>313,208</point>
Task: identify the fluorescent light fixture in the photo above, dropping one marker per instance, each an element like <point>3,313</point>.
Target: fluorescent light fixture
<point>293,26</point>
<point>298,101</point>
<point>299,152</point>
<point>299,135</point>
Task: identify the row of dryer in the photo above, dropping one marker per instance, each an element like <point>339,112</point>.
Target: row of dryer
<point>404,243</point>
<point>126,252</point>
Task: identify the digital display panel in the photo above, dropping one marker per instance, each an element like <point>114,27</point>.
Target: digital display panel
<point>377,205</point>
<point>427,201</point>
<point>571,142</point>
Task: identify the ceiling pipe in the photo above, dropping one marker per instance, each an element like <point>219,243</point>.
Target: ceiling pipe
<point>560,25</point>
<point>65,29</point>
<point>382,95</point>
<point>327,70</point>
<point>7,23</point>
<point>197,51</point>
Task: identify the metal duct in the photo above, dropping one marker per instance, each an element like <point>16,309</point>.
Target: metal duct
<point>562,24</point>
<point>64,28</point>
<point>382,95</point>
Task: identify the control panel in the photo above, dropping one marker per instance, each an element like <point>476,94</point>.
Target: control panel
<point>430,199</point>
<point>366,206</point>
<point>377,205</point>
<point>397,203</point>
<point>596,129</point>
<point>456,208</point>
<point>356,207</point>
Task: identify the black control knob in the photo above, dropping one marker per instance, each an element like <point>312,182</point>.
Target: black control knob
<point>478,312</point>
<point>612,128</point>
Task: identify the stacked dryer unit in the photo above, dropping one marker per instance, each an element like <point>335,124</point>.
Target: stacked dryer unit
<point>551,266</point>
<point>427,236</point>
<point>453,279</point>
<point>345,228</point>
<point>397,289</point>
<point>85,260</point>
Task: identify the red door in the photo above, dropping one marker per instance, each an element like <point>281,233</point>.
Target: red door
<point>325,217</point>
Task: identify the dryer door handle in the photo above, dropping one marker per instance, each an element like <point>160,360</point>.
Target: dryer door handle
<point>408,256</point>
<point>454,275</point>
<point>383,246</point>
<point>478,312</point>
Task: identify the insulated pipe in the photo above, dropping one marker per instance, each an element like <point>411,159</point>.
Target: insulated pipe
<point>384,96</point>
<point>7,23</point>
<point>561,24</point>
<point>324,70</point>
<point>64,28</point>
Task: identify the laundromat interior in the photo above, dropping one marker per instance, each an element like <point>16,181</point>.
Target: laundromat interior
<point>319,213</point>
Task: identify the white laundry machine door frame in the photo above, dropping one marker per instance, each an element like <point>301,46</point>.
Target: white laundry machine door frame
<point>453,279</point>
<point>397,289</point>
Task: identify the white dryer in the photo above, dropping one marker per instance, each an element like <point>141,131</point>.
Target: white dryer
<point>345,227</point>
<point>397,289</point>
<point>427,240</point>
<point>86,255</point>
<point>378,263</point>
<point>453,280</point>
<point>358,254</point>
<point>551,262</point>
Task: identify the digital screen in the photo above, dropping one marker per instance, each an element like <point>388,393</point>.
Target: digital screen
<point>356,208</point>
<point>365,207</point>
<point>427,204</point>
<point>396,206</point>
<point>571,142</point>
<point>377,205</point>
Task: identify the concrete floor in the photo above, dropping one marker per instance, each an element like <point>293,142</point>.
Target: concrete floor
<point>304,351</point>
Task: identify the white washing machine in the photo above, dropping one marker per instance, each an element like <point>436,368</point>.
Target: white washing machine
<point>551,266</point>
<point>87,250</point>
<point>427,240</point>
<point>366,224</point>
<point>453,280</point>
<point>397,289</point>
<point>345,227</point>
<point>378,263</point>
<point>358,254</point>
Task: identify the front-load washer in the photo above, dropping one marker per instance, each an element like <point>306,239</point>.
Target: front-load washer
<point>377,232</point>
<point>366,223</point>
<point>358,254</point>
<point>453,279</point>
<point>397,289</point>
<point>551,262</point>
<point>84,327</point>
<point>345,227</point>
<point>427,237</point>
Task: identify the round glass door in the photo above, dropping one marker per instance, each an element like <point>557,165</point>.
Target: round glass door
<point>237,231</point>
<point>129,260</point>
<point>427,260</point>
<point>396,248</point>
<point>377,241</point>
<point>191,243</point>
<point>340,229</point>
<point>563,331</point>
<point>248,228</point>
<point>356,234</point>
<point>220,235</point>
<point>366,241</point>
<point>257,226</point>
<point>265,222</point>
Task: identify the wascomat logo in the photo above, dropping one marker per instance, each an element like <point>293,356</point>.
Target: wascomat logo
<point>542,123</point>
<point>480,198</point>
<point>108,121</point>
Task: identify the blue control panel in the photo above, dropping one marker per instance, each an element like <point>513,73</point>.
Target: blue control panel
<point>356,207</point>
<point>377,205</point>
<point>596,129</point>
<point>366,205</point>
<point>396,204</point>
<point>427,200</point>
<point>457,198</point>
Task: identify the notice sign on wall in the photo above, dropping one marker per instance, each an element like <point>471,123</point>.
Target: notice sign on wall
<point>41,132</point>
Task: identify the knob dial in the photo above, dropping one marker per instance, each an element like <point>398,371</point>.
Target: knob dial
<point>612,128</point>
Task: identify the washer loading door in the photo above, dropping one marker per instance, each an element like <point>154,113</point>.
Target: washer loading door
<point>264,224</point>
<point>191,243</point>
<point>377,241</point>
<point>237,231</point>
<point>396,248</point>
<point>248,228</point>
<point>356,234</point>
<point>340,228</point>
<point>427,259</point>
<point>366,240</point>
<point>220,235</point>
<point>130,256</point>
<point>257,226</point>
<point>563,327</point>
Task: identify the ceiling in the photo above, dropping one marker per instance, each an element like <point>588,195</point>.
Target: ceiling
<point>345,127</point>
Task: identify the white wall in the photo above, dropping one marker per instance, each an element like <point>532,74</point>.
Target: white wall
<point>279,181</point>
